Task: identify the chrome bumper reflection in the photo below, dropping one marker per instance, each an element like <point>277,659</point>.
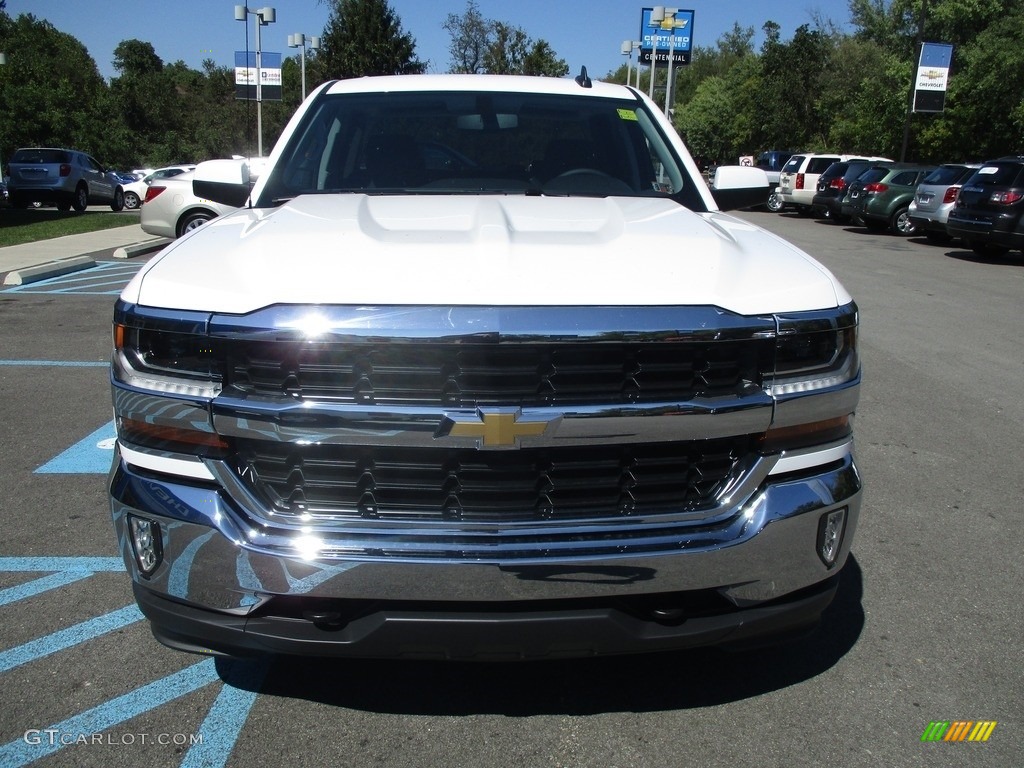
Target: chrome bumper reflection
<point>759,545</point>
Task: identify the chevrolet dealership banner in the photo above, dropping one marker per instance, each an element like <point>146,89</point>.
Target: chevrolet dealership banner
<point>932,77</point>
<point>656,39</point>
<point>245,75</point>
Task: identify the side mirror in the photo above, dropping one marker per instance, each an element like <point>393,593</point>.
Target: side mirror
<point>224,181</point>
<point>739,186</point>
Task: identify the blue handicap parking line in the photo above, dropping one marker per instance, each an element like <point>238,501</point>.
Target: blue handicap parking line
<point>54,564</point>
<point>111,713</point>
<point>209,747</point>
<point>228,714</point>
<point>70,637</point>
<point>91,455</point>
<point>58,363</point>
<point>219,731</point>
<point>104,279</point>
<point>38,586</point>
<point>61,572</point>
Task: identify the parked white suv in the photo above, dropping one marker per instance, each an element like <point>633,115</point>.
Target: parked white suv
<point>798,180</point>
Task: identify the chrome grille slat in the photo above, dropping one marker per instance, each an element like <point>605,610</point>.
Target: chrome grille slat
<point>334,481</point>
<point>523,374</point>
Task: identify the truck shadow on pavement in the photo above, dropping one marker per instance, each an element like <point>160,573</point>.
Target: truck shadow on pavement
<point>638,683</point>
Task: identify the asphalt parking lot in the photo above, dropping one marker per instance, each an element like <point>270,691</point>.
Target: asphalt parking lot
<point>922,632</point>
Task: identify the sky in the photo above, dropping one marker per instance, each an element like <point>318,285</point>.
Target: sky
<point>582,33</point>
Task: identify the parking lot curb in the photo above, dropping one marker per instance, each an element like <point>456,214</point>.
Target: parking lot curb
<point>140,249</point>
<point>47,270</point>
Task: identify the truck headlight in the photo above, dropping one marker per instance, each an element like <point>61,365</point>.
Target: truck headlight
<point>814,361</point>
<point>168,362</point>
<point>815,381</point>
<point>815,351</point>
<point>171,358</point>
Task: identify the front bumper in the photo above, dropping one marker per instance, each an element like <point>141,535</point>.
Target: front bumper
<point>751,571</point>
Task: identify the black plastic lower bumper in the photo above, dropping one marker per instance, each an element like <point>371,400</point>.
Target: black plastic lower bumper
<point>501,632</point>
<point>999,232</point>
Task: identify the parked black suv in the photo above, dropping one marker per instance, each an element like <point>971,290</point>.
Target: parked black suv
<point>989,211</point>
<point>833,185</point>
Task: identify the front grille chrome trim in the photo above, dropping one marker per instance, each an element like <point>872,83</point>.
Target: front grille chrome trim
<point>329,423</point>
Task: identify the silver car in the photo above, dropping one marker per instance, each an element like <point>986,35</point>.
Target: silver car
<point>66,177</point>
<point>935,197</point>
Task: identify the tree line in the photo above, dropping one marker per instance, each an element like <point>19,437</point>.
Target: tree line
<point>821,89</point>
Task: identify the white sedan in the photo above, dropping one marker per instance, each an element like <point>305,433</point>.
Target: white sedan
<point>135,192</point>
<point>170,208</point>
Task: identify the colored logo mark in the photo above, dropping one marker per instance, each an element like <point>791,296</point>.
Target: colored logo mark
<point>959,730</point>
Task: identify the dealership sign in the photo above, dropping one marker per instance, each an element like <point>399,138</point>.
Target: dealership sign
<point>269,76</point>
<point>671,37</point>
<point>932,77</point>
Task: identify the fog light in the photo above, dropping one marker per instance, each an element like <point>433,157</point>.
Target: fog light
<point>830,535</point>
<point>146,544</point>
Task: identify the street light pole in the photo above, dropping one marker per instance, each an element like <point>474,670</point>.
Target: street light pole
<point>264,16</point>
<point>666,19</point>
<point>627,51</point>
<point>628,46</point>
<point>668,82</point>
<point>299,40</point>
<point>657,17</point>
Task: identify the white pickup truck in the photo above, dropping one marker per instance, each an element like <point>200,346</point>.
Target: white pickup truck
<point>479,369</point>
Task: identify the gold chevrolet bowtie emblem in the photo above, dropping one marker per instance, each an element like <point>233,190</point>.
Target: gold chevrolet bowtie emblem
<point>496,427</point>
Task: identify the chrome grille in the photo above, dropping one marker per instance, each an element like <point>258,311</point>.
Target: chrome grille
<point>488,486</point>
<point>449,375</point>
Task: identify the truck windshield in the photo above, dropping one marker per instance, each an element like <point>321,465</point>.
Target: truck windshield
<point>475,143</point>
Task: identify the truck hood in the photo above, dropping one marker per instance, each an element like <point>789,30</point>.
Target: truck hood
<point>482,250</point>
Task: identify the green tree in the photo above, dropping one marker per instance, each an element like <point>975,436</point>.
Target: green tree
<point>221,124</point>
<point>730,49</point>
<point>984,114</point>
<point>51,92</point>
<point>541,60</point>
<point>894,24</point>
<point>145,100</point>
<point>469,40</point>
<point>716,123</point>
<point>704,123</point>
<point>863,99</point>
<point>365,37</point>
<point>480,45</point>
<point>984,90</point>
<point>506,49</point>
<point>791,74</point>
